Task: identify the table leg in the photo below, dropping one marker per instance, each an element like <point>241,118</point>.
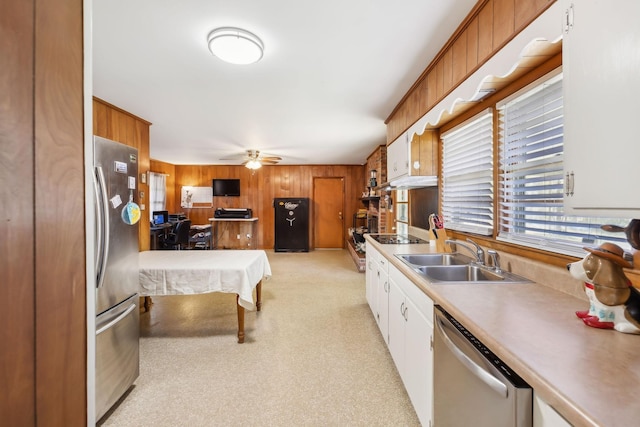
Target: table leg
<point>214,236</point>
<point>147,303</point>
<point>259,296</point>
<point>240,320</point>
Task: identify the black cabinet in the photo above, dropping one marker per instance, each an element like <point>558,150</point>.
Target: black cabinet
<point>291,224</point>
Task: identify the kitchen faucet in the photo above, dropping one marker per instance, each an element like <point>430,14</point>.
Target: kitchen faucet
<point>473,247</point>
<point>495,258</point>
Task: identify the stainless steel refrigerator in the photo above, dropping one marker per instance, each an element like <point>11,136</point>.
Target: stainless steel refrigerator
<point>291,224</point>
<point>117,321</point>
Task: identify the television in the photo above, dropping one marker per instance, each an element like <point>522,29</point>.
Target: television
<point>226,187</point>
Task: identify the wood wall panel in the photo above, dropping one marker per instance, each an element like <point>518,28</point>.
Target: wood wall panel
<point>432,91</point>
<point>17,251</point>
<point>503,22</point>
<point>472,45</point>
<point>485,32</point>
<point>116,124</point>
<point>489,26</point>
<point>459,59</point>
<point>258,190</point>
<point>424,94</point>
<point>440,79</point>
<point>447,71</point>
<point>42,250</point>
<point>59,203</point>
<point>526,9</point>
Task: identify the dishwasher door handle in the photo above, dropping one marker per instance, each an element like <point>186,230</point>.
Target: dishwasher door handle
<point>486,377</point>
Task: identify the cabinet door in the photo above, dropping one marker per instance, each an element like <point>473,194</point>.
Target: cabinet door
<point>372,280</point>
<point>410,341</point>
<point>545,416</point>
<point>601,90</point>
<point>398,158</point>
<point>383,306</point>
<point>396,326</point>
<point>418,361</point>
<point>424,154</point>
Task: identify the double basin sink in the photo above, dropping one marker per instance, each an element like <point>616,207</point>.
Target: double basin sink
<point>457,268</point>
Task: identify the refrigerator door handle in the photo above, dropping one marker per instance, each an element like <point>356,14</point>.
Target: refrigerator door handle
<point>115,321</point>
<point>102,221</point>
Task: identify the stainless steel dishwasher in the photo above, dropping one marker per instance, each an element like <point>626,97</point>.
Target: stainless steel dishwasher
<point>473,387</point>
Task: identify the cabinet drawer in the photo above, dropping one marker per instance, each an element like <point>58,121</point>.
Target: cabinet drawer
<point>423,303</point>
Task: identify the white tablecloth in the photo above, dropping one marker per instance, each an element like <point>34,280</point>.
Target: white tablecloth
<point>198,272</point>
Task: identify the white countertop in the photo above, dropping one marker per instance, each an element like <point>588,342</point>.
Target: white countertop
<point>590,376</point>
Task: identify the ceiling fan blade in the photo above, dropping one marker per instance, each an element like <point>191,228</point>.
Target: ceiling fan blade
<point>234,157</point>
<point>254,155</point>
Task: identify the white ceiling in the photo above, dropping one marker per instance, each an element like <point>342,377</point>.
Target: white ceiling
<point>332,72</point>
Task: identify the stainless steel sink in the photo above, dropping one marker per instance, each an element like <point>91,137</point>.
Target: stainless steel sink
<point>456,268</point>
<point>434,259</point>
<point>471,273</point>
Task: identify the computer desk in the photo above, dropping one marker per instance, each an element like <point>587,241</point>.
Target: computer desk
<point>156,232</point>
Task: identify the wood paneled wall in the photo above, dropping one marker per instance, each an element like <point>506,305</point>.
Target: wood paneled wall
<point>258,190</point>
<point>113,123</point>
<point>42,248</point>
<point>487,28</point>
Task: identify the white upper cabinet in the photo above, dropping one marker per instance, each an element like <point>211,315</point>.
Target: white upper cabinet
<point>601,66</point>
<point>398,158</point>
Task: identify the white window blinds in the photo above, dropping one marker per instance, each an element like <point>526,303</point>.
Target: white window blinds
<point>467,175</point>
<point>531,175</point>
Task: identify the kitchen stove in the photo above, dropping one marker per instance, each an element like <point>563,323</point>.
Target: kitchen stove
<point>397,239</point>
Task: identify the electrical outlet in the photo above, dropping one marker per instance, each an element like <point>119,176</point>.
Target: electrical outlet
<point>248,236</point>
<point>238,237</point>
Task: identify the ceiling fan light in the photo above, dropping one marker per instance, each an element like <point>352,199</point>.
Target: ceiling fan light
<point>253,164</point>
<point>235,45</point>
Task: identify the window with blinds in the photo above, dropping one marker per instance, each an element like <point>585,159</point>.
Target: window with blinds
<point>531,179</point>
<point>467,175</point>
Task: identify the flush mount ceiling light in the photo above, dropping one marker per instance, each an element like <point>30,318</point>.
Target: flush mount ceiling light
<point>235,45</point>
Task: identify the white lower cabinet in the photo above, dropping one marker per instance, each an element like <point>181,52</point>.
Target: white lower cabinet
<point>382,315</point>
<point>371,288</point>
<point>545,416</point>
<point>405,317</point>
<point>411,341</point>
<point>377,289</point>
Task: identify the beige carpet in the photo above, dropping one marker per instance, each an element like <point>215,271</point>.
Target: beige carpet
<point>312,357</point>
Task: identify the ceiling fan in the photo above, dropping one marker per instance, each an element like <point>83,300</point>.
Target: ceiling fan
<point>253,159</point>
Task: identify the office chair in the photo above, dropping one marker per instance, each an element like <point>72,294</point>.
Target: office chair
<point>179,238</point>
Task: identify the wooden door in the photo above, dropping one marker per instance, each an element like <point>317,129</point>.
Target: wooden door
<point>328,203</point>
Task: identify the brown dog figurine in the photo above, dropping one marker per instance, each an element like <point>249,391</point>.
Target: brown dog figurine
<point>614,302</point>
